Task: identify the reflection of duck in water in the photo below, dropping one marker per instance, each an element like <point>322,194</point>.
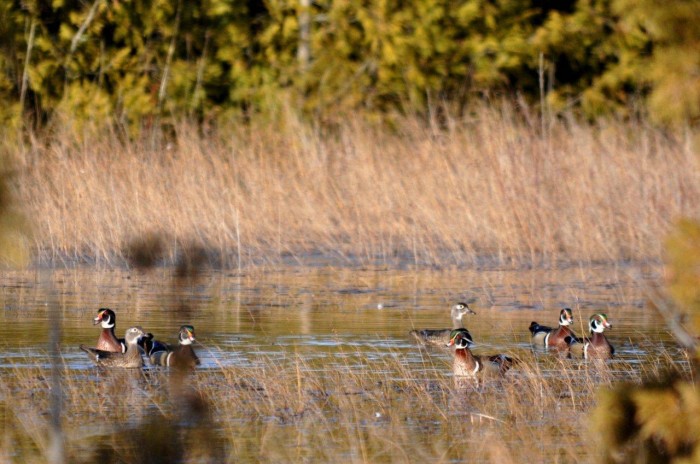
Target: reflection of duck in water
<point>597,345</point>
<point>440,337</point>
<point>182,356</point>
<point>107,341</point>
<point>548,337</point>
<point>465,364</point>
<point>130,358</point>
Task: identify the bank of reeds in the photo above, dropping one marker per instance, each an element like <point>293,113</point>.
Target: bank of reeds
<point>291,411</point>
<point>491,185</point>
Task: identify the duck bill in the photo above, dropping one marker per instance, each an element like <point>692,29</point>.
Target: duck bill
<point>97,320</point>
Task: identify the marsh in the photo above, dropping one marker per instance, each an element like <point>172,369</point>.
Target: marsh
<point>316,363</point>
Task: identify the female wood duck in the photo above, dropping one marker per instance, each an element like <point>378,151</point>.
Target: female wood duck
<point>548,337</point>
<point>107,340</point>
<point>597,345</point>
<point>467,365</point>
<point>439,337</point>
<point>130,358</point>
<point>182,356</point>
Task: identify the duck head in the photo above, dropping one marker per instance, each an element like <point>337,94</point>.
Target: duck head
<point>133,335</point>
<point>106,318</point>
<point>460,309</point>
<point>599,322</point>
<point>566,317</point>
<point>186,335</point>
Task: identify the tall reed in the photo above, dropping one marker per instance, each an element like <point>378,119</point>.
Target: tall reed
<point>449,193</point>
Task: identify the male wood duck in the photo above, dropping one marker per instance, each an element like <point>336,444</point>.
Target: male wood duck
<point>182,356</point>
<point>150,345</point>
<point>440,337</point>
<point>130,358</point>
<point>597,345</point>
<point>107,340</point>
<point>467,365</point>
<point>548,337</point>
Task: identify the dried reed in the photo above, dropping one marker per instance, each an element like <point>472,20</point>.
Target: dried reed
<point>426,193</point>
<point>361,410</point>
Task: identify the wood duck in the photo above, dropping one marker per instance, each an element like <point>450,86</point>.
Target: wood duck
<point>467,365</point>
<point>130,358</point>
<point>440,337</point>
<point>107,340</point>
<point>182,356</point>
<point>150,345</point>
<point>548,337</point>
<point>597,345</point>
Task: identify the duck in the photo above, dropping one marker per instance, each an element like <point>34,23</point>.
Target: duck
<point>131,358</point>
<point>465,364</point>
<point>547,337</point>
<point>107,341</point>
<point>150,345</point>
<point>597,345</point>
<point>439,337</point>
<point>182,356</point>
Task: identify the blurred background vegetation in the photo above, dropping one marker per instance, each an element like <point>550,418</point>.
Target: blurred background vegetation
<point>659,421</point>
<point>150,62</point>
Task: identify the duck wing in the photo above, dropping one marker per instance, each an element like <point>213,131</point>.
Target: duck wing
<point>99,356</point>
<point>536,328</point>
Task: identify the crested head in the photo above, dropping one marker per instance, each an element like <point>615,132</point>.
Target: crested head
<point>566,317</point>
<point>133,334</point>
<point>106,318</point>
<point>460,338</point>
<point>599,322</point>
<point>460,309</point>
<point>186,334</point>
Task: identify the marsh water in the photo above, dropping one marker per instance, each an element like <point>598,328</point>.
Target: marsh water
<point>327,317</point>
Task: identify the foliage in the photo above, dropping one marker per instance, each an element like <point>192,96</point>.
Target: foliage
<point>654,423</point>
<point>673,66</point>
<point>137,63</point>
<point>659,421</point>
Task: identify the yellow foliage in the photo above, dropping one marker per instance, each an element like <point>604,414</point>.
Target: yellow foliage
<point>683,270</point>
<point>660,421</point>
<point>85,105</point>
<point>660,417</point>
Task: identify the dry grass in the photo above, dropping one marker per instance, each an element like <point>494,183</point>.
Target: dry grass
<point>485,186</point>
<point>380,411</point>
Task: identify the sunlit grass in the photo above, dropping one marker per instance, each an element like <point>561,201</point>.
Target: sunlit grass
<point>360,410</point>
<point>489,185</point>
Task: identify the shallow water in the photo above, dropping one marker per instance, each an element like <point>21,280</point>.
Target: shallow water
<point>332,319</point>
<point>312,312</point>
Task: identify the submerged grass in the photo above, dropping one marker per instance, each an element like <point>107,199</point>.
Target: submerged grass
<point>360,410</point>
<point>448,193</point>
